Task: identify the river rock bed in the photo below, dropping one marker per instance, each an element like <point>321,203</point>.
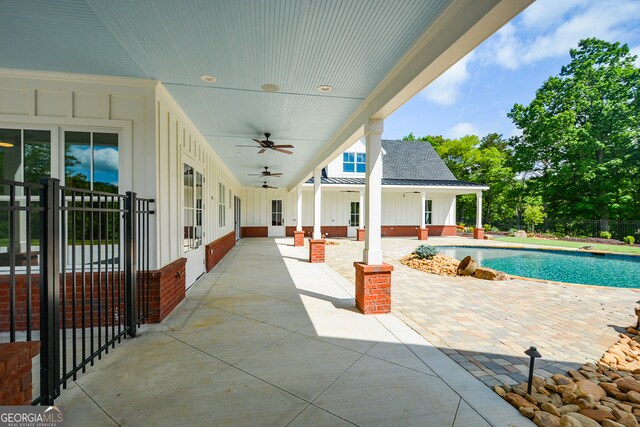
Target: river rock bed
<point>603,394</point>
<point>439,264</point>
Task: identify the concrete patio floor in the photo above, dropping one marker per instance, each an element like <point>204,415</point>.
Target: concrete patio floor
<point>486,326</point>
<point>267,338</point>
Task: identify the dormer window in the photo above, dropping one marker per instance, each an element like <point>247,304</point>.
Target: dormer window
<point>354,162</point>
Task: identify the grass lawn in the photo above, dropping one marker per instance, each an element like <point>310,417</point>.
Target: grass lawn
<point>534,241</point>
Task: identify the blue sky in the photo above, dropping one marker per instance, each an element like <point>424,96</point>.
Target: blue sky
<point>475,95</point>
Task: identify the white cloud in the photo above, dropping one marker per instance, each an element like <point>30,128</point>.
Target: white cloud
<point>549,28</point>
<point>463,129</point>
<point>446,89</point>
<point>105,159</point>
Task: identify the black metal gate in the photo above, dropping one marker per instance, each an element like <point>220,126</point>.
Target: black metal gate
<point>77,263</point>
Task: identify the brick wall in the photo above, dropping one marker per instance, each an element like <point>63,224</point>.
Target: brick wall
<point>423,234</point>
<point>412,230</point>
<point>217,249</point>
<point>361,234</point>
<point>298,238</point>
<point>328,230</point>
<point>15,372</point>
<point>255,232</point>
<point>167,289</point>
<point>373,288</point>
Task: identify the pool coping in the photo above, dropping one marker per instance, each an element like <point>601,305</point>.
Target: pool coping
<point>556,249</point>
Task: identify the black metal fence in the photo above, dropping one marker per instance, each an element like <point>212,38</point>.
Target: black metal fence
<point>578,227</point>
<point>80,282</point>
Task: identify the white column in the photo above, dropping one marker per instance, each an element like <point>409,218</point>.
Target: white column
<point>479,209</point>
<point>361,211</point>
<point>372,253</point>
<point>317,203</point>
<point>299,208</point>
<point>423,197</point>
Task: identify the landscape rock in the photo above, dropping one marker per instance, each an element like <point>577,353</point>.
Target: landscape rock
<point>627,384</point>
<point>489,274</point>
<point>597,415</point>
<point>568,408</point>
<point>586,387</point>
<point>518,401</point>
<point>545,419</point>
<point>609,423</point>
<point>520,233</point>
<point>633,396</point>
<point>439,264</point>
<point>609,388</point>
<point>550,408</point>
<point>567,421</point>
<point>560,379</point>
<point>584,420</point>
<point>527,411</point>
<point>587,402</point>
<point>499,391</point>
<point>628,420</point>
<point>577,376</point>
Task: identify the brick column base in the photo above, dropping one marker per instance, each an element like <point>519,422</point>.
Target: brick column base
<point>15,372</point>
<point>361,234</point>
<point>373,288</point>
<point>316,250</point>
<point>423,234</point>
<point>478,233</point>
<point>298,238</point>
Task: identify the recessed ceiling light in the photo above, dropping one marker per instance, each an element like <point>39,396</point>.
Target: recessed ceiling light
<point>6,144</point>
<point>325,88</point>
<point>270,87</point>
<point>208,78</point>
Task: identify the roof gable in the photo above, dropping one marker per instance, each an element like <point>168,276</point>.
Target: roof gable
<point>415,160</point>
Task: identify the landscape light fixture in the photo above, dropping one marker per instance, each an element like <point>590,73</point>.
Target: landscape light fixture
<point>6,144</point>
<point>533,354</point>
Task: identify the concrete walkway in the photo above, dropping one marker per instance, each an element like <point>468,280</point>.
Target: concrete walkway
<point>486,326</point>
<point>267,338</point>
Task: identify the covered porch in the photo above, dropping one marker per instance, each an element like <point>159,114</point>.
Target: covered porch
<point>267,338</point>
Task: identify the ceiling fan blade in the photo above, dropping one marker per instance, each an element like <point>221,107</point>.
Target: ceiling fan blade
<point>254,174</point>
<point>276,174</point>
<point>283,151</point>
<point>247,146</point>
<point>262,151</point>
<point>271,186</point>
<point>257,140</point>
<point>283,146</point>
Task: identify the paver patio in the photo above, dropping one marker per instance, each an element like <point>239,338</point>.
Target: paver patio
<point>486,326</point>
<point>267,338</point>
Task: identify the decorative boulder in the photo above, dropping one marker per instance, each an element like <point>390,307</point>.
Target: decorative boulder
<point>520,233</point>
<point>467,266</point>
<point>489,274</point>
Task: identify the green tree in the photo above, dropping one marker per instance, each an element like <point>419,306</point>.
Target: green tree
<point>580,135</point>
<point>534,213</point>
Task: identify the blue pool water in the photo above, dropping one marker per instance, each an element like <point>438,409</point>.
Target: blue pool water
<point>561,266</point>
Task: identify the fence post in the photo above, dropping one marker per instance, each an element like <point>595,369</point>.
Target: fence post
<point>50,291</point>
<point>130,250</point>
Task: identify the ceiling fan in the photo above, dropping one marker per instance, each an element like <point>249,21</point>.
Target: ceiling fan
<point>266,144</point>
<point>265,185</point>
<point>266,172</point>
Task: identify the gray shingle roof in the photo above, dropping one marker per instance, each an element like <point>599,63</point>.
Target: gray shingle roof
<point>416,160</point>
<point>386,181</point>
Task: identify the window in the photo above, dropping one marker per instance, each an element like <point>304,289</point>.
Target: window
<point>91,160</point>
<point>192,206</point>
<point>354,162</point>
<point>222,206</point>
<point>276,213</point>
<point>354,217</point>
<point>25,155</point>
<point>427,211</point>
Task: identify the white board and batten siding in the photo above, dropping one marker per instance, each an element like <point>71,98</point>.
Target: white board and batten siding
<point>179,142</point>
<point>155,138</point>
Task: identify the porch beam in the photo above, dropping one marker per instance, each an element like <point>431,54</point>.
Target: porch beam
<point>423,198</point>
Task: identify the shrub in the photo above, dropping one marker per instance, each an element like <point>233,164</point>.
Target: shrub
<point>605,234</point>
<point>426,251</point>
<point>629,240</point>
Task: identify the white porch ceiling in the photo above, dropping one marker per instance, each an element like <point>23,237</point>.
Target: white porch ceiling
<point>296,44</point>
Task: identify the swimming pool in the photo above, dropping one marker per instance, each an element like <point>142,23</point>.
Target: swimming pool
<point>585,268</point>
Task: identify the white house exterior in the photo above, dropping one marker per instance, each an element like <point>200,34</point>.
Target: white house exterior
<point>137,73</point>
<point>416,186</point>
